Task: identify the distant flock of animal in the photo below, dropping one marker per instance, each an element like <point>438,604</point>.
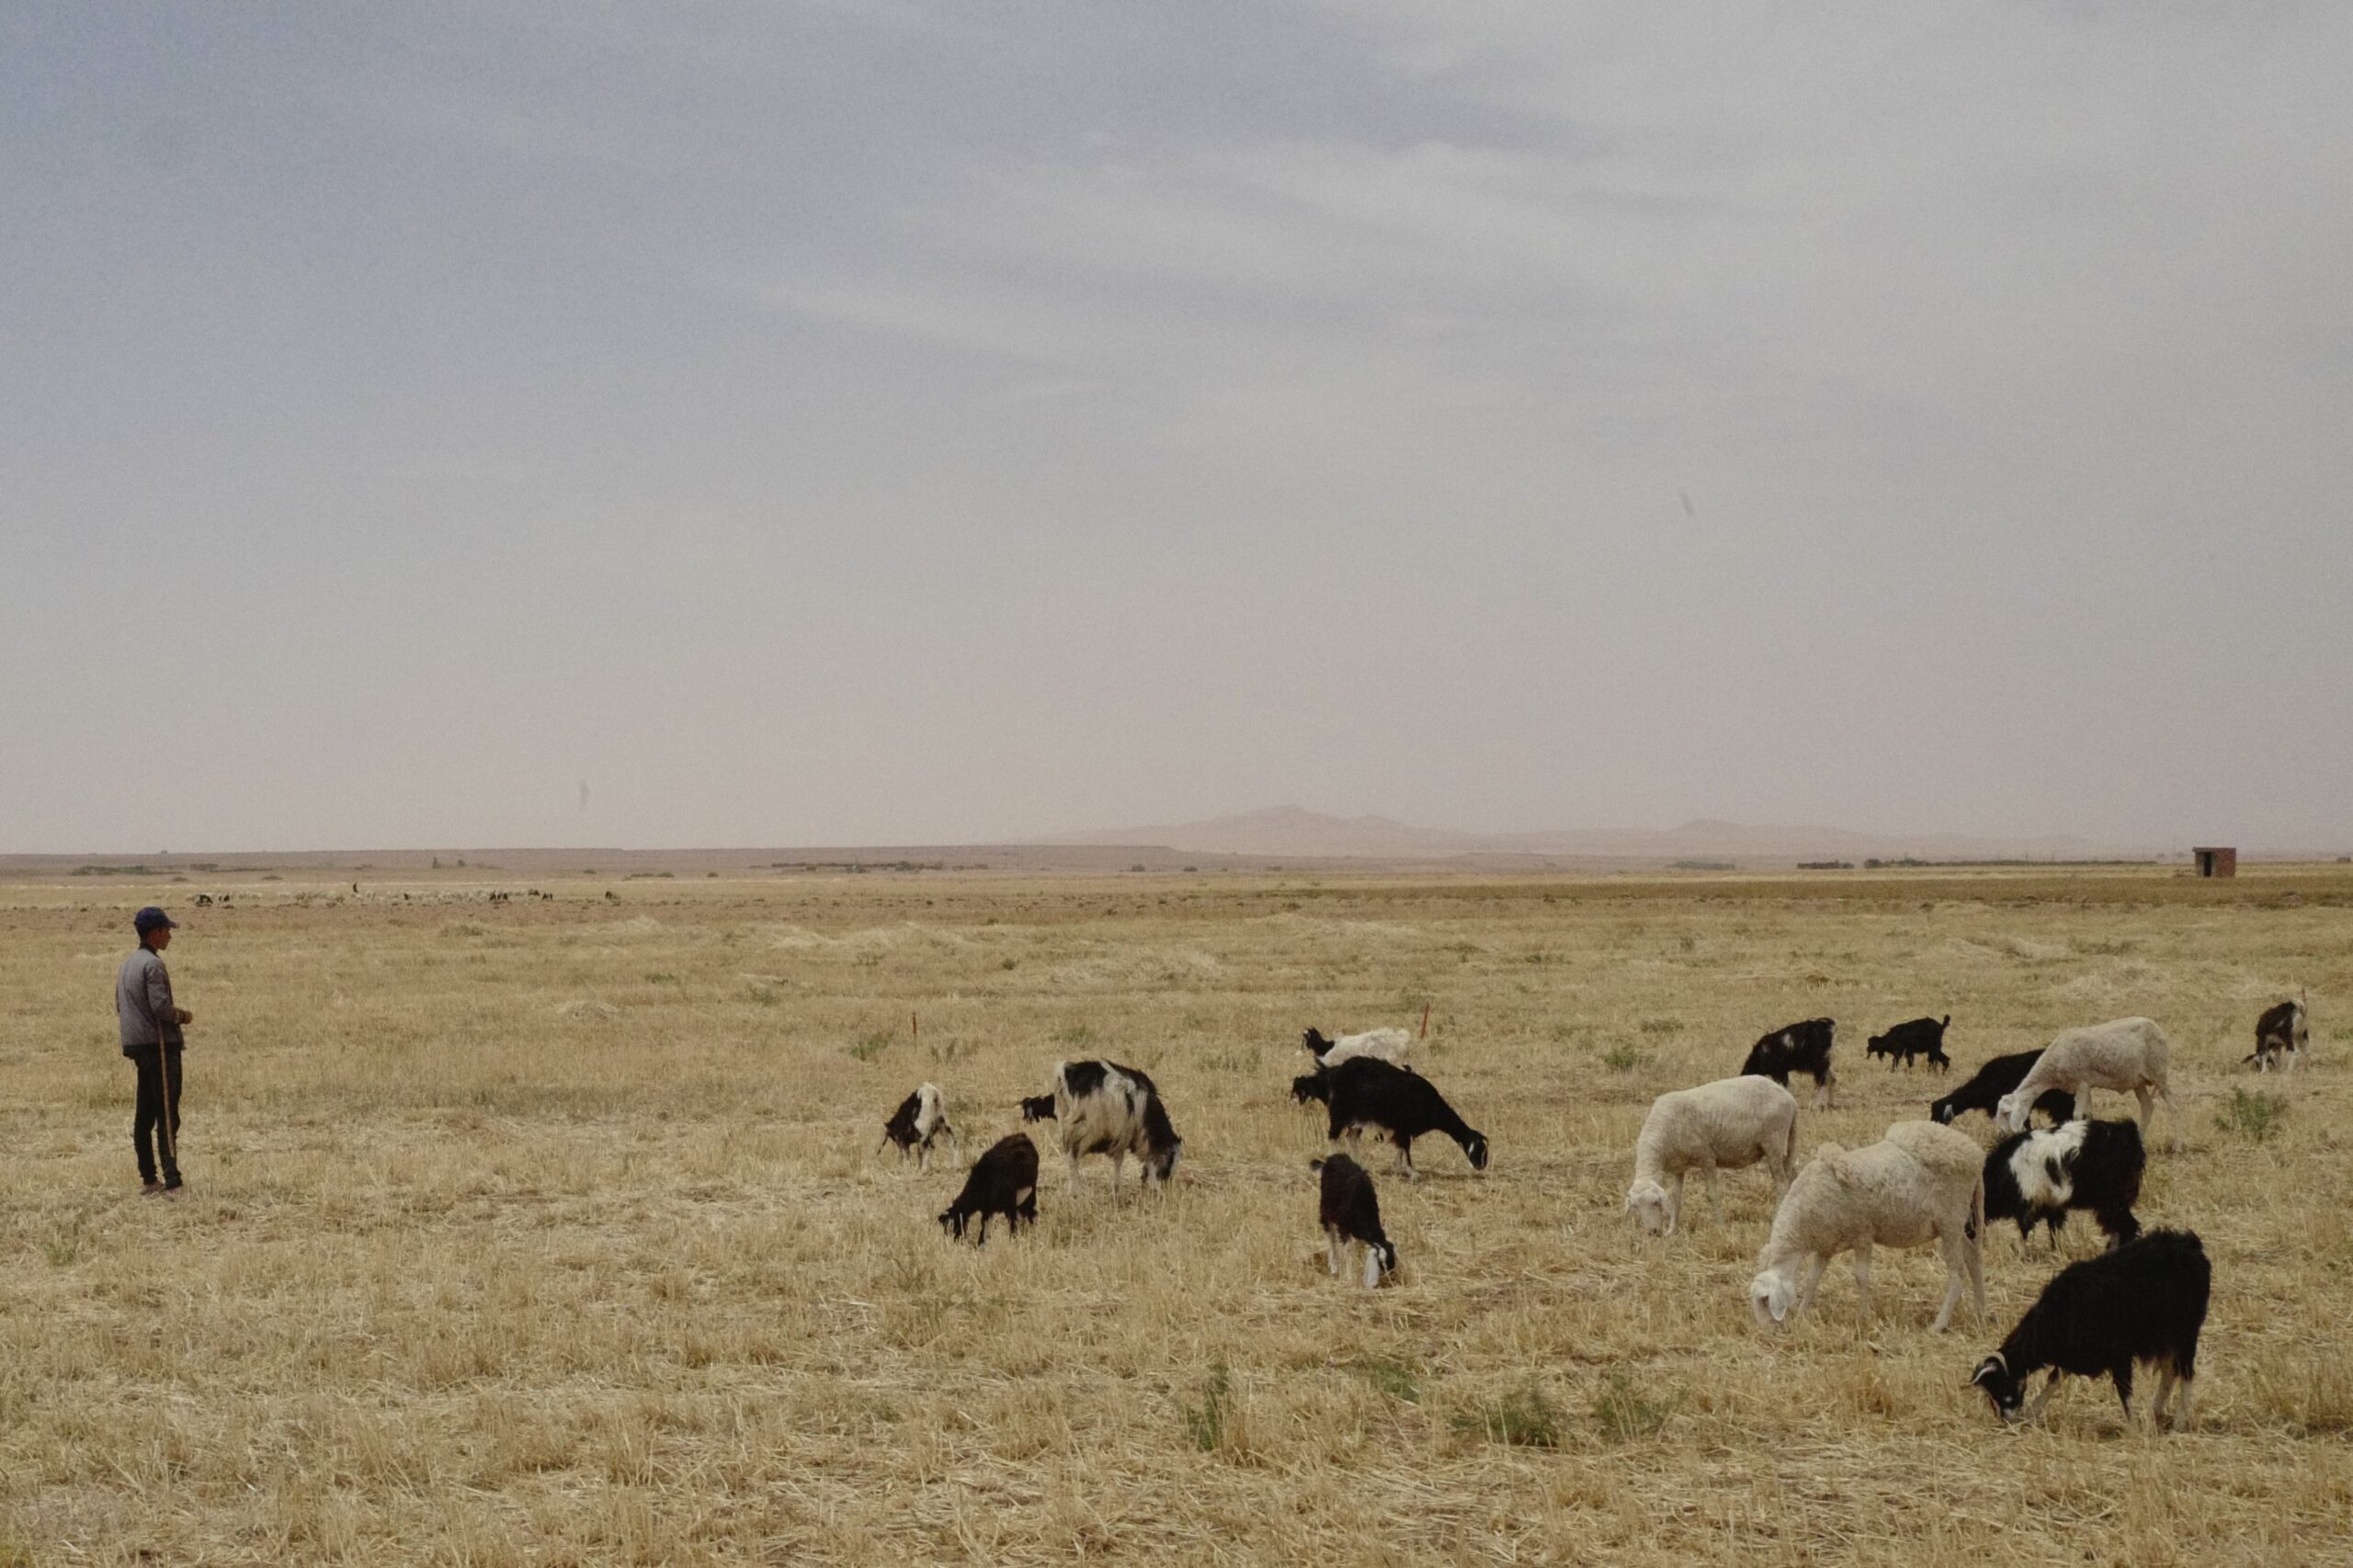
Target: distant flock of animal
<point>2141,1302</point>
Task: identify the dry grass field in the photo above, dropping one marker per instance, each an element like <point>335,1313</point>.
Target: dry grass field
<point>554,1231</point>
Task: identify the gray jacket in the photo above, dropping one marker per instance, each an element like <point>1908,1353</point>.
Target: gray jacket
<point>142,1002</point>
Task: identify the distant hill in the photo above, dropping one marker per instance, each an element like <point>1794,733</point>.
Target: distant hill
<point>1296,831</point>
<point>1289,830</point>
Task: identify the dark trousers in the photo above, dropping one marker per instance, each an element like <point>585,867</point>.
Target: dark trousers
<point>156,1066</point>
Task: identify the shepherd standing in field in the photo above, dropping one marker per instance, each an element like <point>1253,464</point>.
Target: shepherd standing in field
<point>152,1038</point>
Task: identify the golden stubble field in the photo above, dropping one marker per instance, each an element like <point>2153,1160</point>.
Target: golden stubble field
<point>541,1232</point>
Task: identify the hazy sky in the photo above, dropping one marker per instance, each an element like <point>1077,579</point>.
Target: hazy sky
<point>850,422</point>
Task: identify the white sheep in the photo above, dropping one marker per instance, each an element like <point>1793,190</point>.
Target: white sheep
<point>2128,1056</point>
<point>1727,1125</point>
<point>1921,1183</point>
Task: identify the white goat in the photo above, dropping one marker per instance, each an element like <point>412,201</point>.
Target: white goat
<point>1727,1125</point>
<point>1921,1183</point>
<point>2128,1056</point>
<point>1391,1045</point>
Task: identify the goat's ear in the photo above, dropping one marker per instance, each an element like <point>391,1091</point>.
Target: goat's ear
<point>1986,1369</point>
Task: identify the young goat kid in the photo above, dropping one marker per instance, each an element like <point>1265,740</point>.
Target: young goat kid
<point>1349,1210</point>
<point>2143,1302</point>
<point>1370,1095</point>
<point>2095,1166</point>
<point>1917,1036</point>
<point>921,1118</point>
<point>1798,1048</point>
<point>1003,1181</point>
<point>1105,1108</point>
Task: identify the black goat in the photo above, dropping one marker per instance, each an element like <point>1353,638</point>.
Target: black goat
<point>2095,1166</point>
<point>1917,1037</point>
<point>1003,1181</point>
<point>1998,1078</point>
<point>1368,1093</point>
<point>1349,1210</point>
<point>2145,1302</point>
<point>1797,1048</point>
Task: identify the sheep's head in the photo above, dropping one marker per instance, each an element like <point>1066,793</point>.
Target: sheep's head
<point>1159,1164</point>
<point>951,1221</point>
<point>2011,1113</point>
<point>1770,1296</point>
<point>2007,1392</point>
<point>1648,1202</point>
<point>1379,1263</point>
<point>1315,1086</point>
<point>1475,1147</point>
<point>1941,1111</point>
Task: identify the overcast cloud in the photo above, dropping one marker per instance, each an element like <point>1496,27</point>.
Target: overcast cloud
<point>845,423</point>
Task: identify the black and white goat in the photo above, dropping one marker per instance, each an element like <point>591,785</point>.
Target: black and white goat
<point>2283,1031</point>
<point>1349,1210</point>
<point>1105,1108</point>
<point>1003,1181</point>
<point>920,1120</point>
<point>1916,1036</point>
<point>1798,1048</point>
<point>2143,1302</point>
<point>1370,1095</point>
<point>1998,1078</point>
<point>1038,1108</point>
<point>2095,1166</point>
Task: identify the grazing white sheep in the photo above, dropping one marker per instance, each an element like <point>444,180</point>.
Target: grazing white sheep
<point>1921,1183</point>
<point>2128,1056</point>
<point>1391,1045</point>
<point>1727,1125</point>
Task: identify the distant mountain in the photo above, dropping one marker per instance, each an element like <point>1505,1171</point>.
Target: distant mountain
<point>1295,831</point>
<point>1288,830</point>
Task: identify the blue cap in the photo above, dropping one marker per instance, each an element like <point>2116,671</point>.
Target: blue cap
<point>152,919</point>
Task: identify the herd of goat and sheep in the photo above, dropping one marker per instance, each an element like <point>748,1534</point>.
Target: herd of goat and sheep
<point>2141,1302</point>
